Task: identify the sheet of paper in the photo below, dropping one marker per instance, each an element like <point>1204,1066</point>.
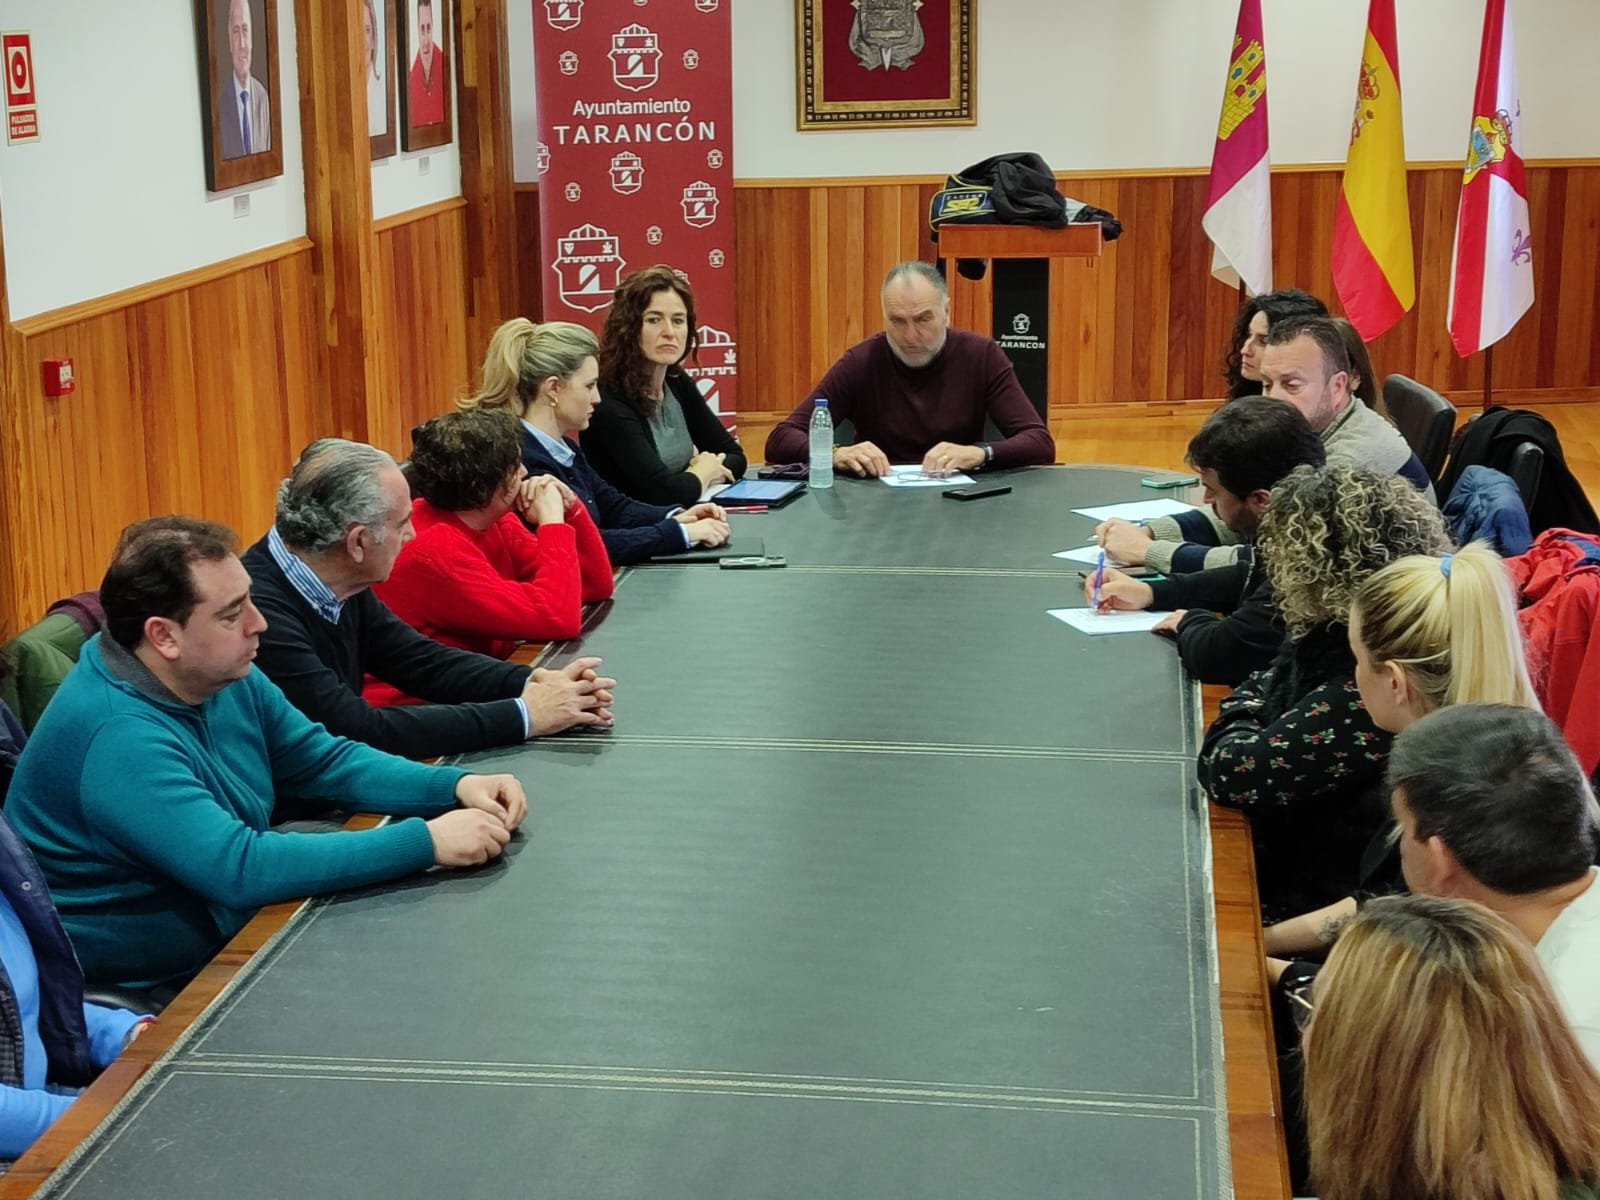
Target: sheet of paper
<point>1083,554</point>
<point>713,491</point>
<point>1137,510</point>
<point>909,475</point>
<point>1086,620</point>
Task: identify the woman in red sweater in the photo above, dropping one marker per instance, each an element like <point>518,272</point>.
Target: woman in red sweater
<point>475,576</point>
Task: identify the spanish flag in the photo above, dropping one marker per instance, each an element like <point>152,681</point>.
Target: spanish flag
<point>1372,267</point>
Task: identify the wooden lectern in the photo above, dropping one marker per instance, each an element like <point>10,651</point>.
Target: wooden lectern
<point>971,301</point>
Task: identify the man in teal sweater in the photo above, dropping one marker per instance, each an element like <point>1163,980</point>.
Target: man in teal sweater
<point>147,788</point>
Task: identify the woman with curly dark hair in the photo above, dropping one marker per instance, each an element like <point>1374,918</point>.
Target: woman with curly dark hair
<point>653,435</point>
<point>1241,366</point>
<point>1293,746</point>
<point>476,576</point>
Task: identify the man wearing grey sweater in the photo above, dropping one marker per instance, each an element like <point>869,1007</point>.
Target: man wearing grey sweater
<point>1304,364</point>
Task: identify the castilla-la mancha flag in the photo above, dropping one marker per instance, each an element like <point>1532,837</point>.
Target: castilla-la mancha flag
<point>1238,216</point>
<point>1491,273</point>
<point>1372,266</point>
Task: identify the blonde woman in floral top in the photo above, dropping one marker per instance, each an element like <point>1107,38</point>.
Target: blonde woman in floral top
<point>1293,746</point>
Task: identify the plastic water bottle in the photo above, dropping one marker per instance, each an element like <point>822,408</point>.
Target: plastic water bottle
<point>821,474</point>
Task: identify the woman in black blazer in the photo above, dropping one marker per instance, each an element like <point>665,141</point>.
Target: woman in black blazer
<point>653,435</point>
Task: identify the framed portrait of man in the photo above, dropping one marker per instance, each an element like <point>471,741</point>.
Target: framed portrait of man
<point>239,80</point>
<point>377,66</point>
<point>885,62</point>
<point>425,74</point>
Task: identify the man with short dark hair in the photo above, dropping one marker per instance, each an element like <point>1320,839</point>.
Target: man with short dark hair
<point>919,392</point>
<point>147,788</point>
<point>426,82</point>
<point>343,514</point>
<point>1492,806</point>
<point>1240,453</point>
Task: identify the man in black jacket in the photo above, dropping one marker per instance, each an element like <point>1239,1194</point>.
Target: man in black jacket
<point>343,514</point>
<point>1226,621</point>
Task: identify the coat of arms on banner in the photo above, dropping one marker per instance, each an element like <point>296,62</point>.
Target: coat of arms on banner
<point>886,33</point>
<point>653,235</point>
<point>706,5</point>
<point>588,268</point>
<point>635,58</point>
<point>700,204</point>
<point>563,14</point>
<point>627,173</point>
<point>718,358</point>
<point>568,62</point>
<point>544,157</point>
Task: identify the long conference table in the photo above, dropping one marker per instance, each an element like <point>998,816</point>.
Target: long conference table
<point>886,884</point>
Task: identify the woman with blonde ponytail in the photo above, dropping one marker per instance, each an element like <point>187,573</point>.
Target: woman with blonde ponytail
<point>546,376</point>
<point>1427,631</point>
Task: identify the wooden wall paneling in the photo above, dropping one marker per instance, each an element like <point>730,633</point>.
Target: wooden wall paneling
<point>338,181</point>
<point>20,528</point>
<point>846,215</point>
<point>483,106</point>
<point>421,278</point>
<point>1187,258</point>
<point>530,261</point>
<point>175,391</point>
<point>1147,323</point>
<point>95,454</point>
<point>820,283</point>
<point>1577,242</point>
<point>1547,269</point>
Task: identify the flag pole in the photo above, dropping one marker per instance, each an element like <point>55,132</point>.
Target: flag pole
<point>1488,376</point>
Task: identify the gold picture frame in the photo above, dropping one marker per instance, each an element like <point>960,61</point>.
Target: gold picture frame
<point>885,63</point>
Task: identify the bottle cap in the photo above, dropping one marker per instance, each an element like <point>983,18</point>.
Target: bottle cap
<point>820,402</point>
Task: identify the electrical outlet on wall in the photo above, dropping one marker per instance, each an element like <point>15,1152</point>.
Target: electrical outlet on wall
<point>241,205</point>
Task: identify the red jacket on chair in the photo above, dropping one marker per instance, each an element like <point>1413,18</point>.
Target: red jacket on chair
<point>1558,581</point>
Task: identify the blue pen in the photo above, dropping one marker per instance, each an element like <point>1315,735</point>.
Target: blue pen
<point>1099,578</point>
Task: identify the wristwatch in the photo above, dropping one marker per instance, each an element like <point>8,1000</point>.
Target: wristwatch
<point>988,455</point>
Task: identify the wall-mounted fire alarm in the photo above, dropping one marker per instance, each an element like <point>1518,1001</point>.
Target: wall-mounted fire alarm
<point>58,380</point>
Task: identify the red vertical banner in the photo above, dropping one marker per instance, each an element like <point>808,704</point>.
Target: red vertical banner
<point>635,103</point>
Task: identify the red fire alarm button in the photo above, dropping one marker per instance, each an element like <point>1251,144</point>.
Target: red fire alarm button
<point>58,380</point>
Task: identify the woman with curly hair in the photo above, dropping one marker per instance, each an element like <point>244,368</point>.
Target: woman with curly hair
<point>1241,366</point>
<point>1438,1065</point>
<point>1293,746</point>
<point>653,434</point>
<point>476,576</point>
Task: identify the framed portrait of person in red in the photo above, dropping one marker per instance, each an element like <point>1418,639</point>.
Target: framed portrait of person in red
<point>424,74</point>
<point>885,62</point>
<point>239,91</point>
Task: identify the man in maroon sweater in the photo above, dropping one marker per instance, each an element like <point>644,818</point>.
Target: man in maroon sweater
<point>919,392</point>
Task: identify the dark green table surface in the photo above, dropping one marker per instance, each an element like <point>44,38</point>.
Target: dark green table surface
<point>885,885</point>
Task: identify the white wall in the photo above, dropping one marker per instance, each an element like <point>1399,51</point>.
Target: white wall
<point>411,179</point>
<point>1119,84</point>
<point>114,193</point>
